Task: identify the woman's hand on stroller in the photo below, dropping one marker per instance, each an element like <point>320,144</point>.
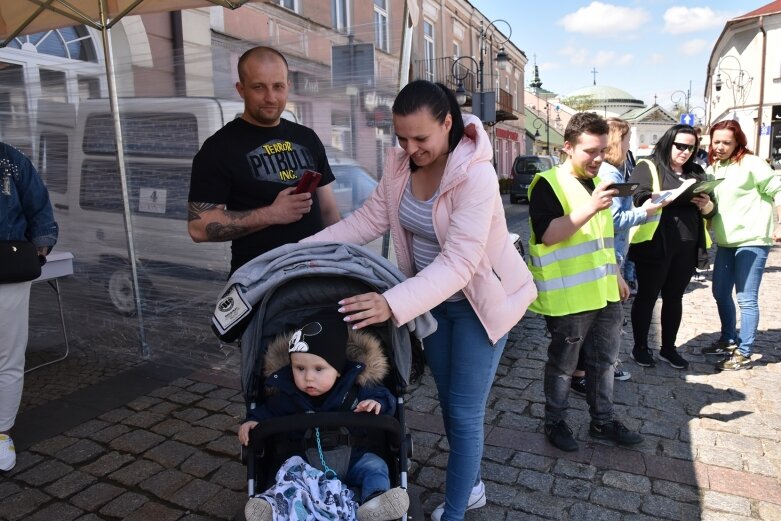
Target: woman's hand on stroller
<point>244,431</point>
<point>365,310</point>
<point>368,406</point>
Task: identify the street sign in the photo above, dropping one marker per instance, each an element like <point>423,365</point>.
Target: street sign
<point>687,119</point>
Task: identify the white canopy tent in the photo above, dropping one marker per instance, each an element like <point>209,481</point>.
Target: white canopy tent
<point>19,17</point>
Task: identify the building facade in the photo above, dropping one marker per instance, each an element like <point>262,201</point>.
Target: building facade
<point>743,79</point>
<point>344,58</point>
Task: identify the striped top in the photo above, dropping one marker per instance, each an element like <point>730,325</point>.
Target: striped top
<point>415,217</point>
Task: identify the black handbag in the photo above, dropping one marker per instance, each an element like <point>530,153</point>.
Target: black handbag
<point>19,261</point>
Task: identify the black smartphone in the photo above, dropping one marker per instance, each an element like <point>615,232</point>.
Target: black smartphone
<point>308,182</point>
<point>624,189</point>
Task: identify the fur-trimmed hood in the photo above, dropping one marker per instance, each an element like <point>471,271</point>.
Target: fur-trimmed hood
<point>362,347</point>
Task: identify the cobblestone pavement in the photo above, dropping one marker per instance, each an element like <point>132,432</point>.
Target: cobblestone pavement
<point>113,437</point>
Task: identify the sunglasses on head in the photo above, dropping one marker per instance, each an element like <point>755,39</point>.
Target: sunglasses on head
<point>683,146</point>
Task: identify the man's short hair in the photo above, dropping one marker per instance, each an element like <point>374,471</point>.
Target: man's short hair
<point>261,52</point>
<point>585,123</point>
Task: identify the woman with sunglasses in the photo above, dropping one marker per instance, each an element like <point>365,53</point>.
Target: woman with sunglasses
<point>744,228</point>
<point>667,247</point>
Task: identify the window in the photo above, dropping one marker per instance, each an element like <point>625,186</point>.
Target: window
<point>289,4</point>
<point>381,24</point>
<point>53,85</point>
<point>53,161</point>
<point>341,14</point>
<point>151,134</point>
<point>456,50</point>
<point>89,87</point>
<point>428,49</point>
<point>73,43</point>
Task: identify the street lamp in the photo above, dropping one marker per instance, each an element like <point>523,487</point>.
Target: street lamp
<point>538,122</point>
<point>459,78</point>
<point>679,96</point>
<point>735,79</point>
<point>483,102</point>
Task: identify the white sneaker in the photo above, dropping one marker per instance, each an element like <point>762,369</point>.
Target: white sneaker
<point>476,500</point>
<point>7,452</point>
<point>391,504</point>
<point>258,509</point>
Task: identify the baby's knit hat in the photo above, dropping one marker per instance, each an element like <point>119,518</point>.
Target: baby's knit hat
<point>326,337</point>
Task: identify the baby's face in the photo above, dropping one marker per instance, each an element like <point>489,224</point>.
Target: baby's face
<point>312,374</point>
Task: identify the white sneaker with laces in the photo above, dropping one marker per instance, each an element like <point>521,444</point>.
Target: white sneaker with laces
<point>476,500</point>
<point>7,453</point>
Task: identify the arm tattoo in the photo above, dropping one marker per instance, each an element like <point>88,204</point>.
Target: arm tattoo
<point>195,209</point>
<point>220,231</point>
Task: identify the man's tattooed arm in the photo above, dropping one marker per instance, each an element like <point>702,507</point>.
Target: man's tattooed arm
<point>230,225</point>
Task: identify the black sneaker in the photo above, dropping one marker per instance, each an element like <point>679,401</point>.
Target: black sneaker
<point>673,358</point>
<point>614,430</point>
<point>642,356</point>
<point>578,385</point>
<point>736,362</point>
<point>720,348</point>
<point>560,436</point>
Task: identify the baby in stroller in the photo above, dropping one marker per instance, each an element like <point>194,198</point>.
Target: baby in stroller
<point>324,366</point>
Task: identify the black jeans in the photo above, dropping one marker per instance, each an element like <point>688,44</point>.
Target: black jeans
<point>668,276</point>
<point>599,333</point>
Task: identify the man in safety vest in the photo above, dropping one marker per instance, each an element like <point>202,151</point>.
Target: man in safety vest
<point>579,287</point>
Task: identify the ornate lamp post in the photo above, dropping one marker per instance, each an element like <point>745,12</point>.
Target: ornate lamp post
<point>538,122</point>
<point>483,102</point>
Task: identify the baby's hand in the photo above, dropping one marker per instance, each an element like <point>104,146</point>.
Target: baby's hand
<point>368,406</point>
<point>244,432</point>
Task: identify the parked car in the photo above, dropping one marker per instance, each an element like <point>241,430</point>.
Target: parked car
<point>524,169</point>
<point>352,184</point>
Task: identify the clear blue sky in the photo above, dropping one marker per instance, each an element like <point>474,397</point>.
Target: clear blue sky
<point>645,47</point>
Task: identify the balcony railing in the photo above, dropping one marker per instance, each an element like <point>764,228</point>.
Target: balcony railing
<point>441,70</point>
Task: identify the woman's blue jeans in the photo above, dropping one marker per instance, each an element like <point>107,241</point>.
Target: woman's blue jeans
<point>370,473</point>
<point>463,363</point>
<point>739,269</point>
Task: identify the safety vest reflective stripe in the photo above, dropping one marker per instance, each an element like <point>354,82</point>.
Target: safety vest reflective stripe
<point>570,252</point>
<point>571,281</point>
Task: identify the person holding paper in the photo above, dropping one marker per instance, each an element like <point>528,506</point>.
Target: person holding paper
<point>667,247</point>
<point>745,227</point>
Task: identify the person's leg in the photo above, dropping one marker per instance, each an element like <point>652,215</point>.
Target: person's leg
<point>678,277</point>
<point>567,336</point>
<point>650,276</point>
<point>723,283</point>
<point>473,363</point>
<point>14,314</point>
<point>601,350</point>
<point>749,266</point>
<point>370,473</point>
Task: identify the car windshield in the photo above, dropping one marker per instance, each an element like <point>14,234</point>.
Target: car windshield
<point>351,187</point>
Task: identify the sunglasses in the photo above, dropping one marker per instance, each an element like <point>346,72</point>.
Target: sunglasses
<point>683,147</point>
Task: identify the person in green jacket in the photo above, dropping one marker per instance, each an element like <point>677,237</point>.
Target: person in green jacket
<point>745,227</point>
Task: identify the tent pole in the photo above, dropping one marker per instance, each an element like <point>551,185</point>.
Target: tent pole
<point>113,99</point>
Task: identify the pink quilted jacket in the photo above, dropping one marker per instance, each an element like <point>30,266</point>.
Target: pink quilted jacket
<point>477,254</point>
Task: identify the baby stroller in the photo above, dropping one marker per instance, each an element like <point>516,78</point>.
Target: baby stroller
<point>283,289</point>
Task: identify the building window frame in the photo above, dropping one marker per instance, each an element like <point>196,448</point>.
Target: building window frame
<point>340,10</point>
<point>381,40</point>
<point>429,49</point>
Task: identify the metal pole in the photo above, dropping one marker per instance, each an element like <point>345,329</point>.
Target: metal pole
<point>547,126</point>
<point>480,88</point>
<point>114,101</point>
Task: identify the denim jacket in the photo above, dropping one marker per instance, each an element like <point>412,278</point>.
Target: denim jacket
<point>625,215</point>
<point>25,209</point>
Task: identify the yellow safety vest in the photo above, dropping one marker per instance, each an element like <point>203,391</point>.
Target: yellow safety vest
<point>645,231</point>
<point>578,274</point>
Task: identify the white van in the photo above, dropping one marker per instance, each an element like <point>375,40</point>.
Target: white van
<point>76,156</point>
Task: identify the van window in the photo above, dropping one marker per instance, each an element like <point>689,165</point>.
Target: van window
<point>53,161</point>
<point>149,134</point>
<point>155,189</point>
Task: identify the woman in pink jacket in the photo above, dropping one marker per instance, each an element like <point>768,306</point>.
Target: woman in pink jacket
<point>439,197</point>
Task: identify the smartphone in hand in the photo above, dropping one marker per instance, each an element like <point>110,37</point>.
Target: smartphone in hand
<point>308,182</point>
<point>624,189</point>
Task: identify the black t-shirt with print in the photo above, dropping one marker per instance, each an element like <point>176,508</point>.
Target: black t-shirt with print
<point>244,166</point>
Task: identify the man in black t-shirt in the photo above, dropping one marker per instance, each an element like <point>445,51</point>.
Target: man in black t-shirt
<point>244,176</point>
